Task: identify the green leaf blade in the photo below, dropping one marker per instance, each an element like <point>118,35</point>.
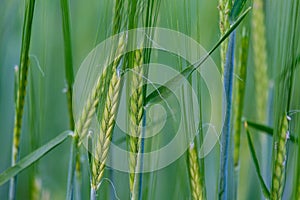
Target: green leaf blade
<point>236,9</point>
<point>264,187</point>
<point>33,157</point>
<point>163,91</point>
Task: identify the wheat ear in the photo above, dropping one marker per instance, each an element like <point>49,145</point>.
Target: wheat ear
<point>279,160</point>
<point>224,8</point>
<point>89,109</point>
<point>107,121</point>
<point>21,91</point>
<point>195,176</point>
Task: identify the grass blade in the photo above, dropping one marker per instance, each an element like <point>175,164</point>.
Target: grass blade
<point>237,8</point>
<point>260,127</point>
<point>264,188</point>
<point>164,91</point>
<point>268,130</point>
<point>33,157</point>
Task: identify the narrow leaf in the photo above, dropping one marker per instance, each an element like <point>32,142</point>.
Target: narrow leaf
<point>266,129</point>
<point>260,127</point>
<point>71,170</point>
<point>33,157</point>
<point>264,188</point>
<point>236,9</point>
<point>165,90</point>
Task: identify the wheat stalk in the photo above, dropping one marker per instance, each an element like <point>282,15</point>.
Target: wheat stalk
<point>240,93</point>
<point>279,161</point>
<point>240,87</point>
<point>22,82</point>
<point>136,114</point>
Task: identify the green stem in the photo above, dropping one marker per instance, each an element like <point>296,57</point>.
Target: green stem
<point>93,194</point>
<point>21,92</point>
<point>68,57</point>
<point>239,105</point>
<point>74,169</point>
<point>225,137</point>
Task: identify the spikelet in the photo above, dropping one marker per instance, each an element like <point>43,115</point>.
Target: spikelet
<point>279,161</point>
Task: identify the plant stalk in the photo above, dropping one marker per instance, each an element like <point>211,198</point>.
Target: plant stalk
<point>240,85</point>
<point>69,74</point>
<point>225,137</point>
<point>21,92</point>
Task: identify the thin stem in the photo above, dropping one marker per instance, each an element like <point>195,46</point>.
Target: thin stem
<point>239,105</point>
<point>225,138</point>
<point>68,57</point>
<point>200,141</point>
<point>70,185</point>
<point>93,194</point>
<point>75,169</point>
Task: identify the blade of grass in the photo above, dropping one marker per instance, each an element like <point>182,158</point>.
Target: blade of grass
<point>236,10</point>
<point>164,91</point>
<point>21,93</point>
<point>268,130</point>
<point>260,127</point>
<point>33,157</point>
<point>263,186</point>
